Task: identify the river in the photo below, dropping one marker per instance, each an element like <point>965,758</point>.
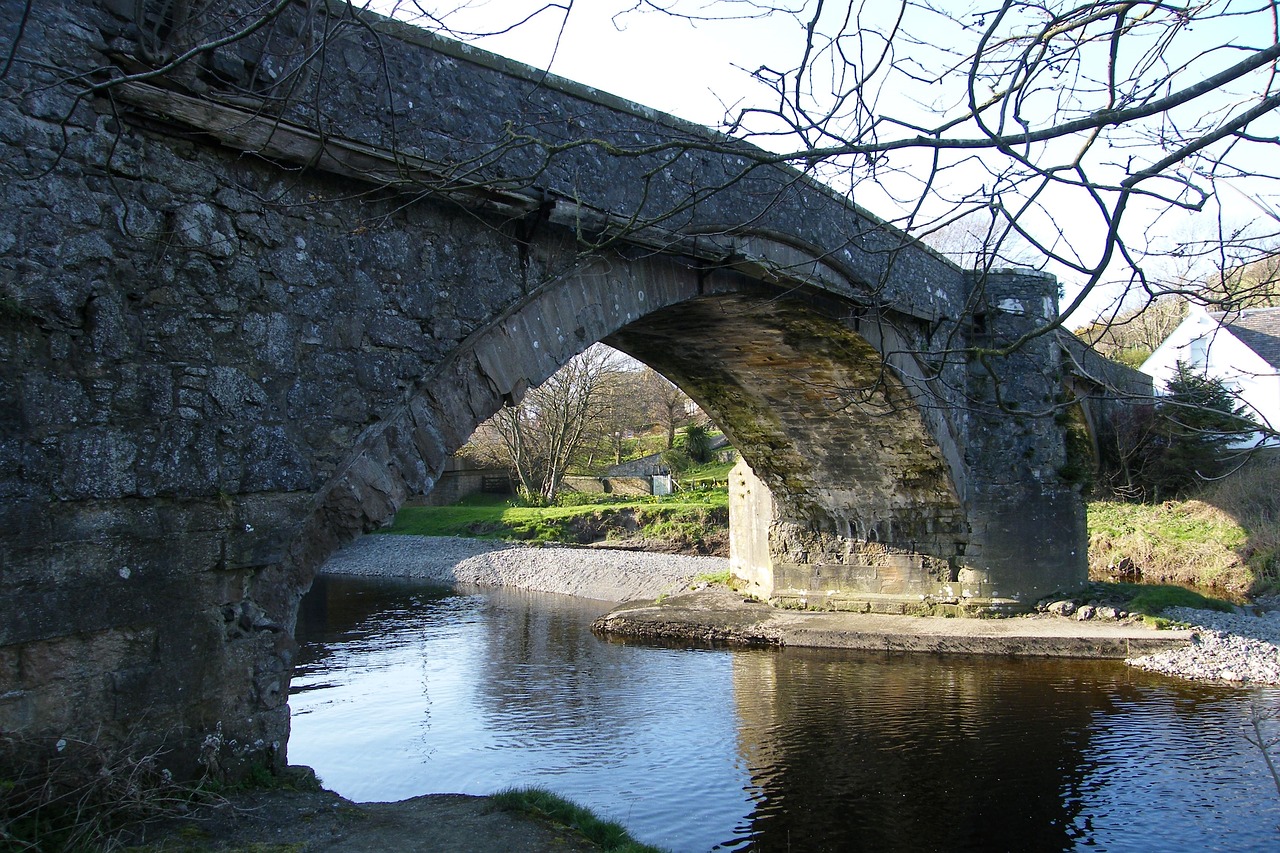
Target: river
<point>404,689</point>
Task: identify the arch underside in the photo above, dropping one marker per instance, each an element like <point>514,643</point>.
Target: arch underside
<point>814,410</point>
<point>856,472</point>
<point>863,505</point>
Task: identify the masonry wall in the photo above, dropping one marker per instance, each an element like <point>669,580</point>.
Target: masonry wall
<point>191,342</point>
<point>1026,514</point>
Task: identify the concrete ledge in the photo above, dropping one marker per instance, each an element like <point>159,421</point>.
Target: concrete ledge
<point>719,616</point>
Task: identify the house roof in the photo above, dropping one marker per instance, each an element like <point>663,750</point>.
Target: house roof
<point>1256,328</point>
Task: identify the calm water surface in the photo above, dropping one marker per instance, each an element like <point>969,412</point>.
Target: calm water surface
<point>403,690</point>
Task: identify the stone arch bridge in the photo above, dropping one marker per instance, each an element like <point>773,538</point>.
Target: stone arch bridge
<point>250,302</point>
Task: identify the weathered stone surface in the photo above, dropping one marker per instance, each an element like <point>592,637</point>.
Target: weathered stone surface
<point>216,368</point>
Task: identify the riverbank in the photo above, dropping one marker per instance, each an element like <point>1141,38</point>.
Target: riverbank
<point>1235,648</point>
<point>320,821</point>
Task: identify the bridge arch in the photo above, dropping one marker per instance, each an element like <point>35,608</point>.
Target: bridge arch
<point>875,491</point>
<point>236,334</point>
<point>842,441</point>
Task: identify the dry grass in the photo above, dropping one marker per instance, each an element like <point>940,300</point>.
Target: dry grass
<point>72,795</point>
<point>1251,496</point>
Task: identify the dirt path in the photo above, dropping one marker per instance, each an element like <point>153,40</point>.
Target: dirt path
<point>314,821</point>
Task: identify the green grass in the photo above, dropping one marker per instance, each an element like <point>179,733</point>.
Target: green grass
<point>485,516</point>
<point>711,472</point>
<point>1151,599</point>
<point>611,837</point>
<point>721,578</point>
<point>1187,543</point>
<point>1173,522</point>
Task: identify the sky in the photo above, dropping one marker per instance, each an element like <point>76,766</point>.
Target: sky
<point>671,64</point>
<point>699,71</point>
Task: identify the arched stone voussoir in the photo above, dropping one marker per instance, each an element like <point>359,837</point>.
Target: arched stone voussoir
<point>405,453</point>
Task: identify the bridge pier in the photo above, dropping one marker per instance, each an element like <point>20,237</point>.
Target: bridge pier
<point>1018,535</point>
<point>1028,554</point>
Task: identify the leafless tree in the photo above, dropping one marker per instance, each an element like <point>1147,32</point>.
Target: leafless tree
<point>622,414</point>
<point>974,242</point>
<point>1084,131</point>
<point>1244,286</point>
<point>1261,733</point>
<point>666,405</point>
<point>540,437</point>
<point>1131,336</point>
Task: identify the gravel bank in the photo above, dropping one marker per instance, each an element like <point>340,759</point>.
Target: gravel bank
<point>1225,647</point>
<point>598,573</point>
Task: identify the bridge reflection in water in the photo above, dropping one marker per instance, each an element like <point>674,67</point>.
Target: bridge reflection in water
<point>403,691</point>
<point>906,752</point>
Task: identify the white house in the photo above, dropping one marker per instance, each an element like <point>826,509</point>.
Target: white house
<point>1242,348</point>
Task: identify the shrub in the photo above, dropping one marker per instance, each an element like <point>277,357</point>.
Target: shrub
<point>1164,450</point>
<point>695,441</point>
<point>77,795</point>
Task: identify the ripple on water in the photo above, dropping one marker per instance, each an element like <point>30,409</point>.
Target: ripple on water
<point>767,750</point>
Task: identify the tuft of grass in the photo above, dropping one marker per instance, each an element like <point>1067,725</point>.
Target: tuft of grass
<point>721,578</point>
<point>610,836</point>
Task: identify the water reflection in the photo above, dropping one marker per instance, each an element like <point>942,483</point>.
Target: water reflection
<point>909,750</point>
<point>403,691</point>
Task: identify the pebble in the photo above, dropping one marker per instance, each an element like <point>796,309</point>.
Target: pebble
<point>1227,647</point>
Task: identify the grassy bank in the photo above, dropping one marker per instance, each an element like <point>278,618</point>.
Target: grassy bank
<point>1177,542</point>
<point>1227,538</point>
<point>540,803</point>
